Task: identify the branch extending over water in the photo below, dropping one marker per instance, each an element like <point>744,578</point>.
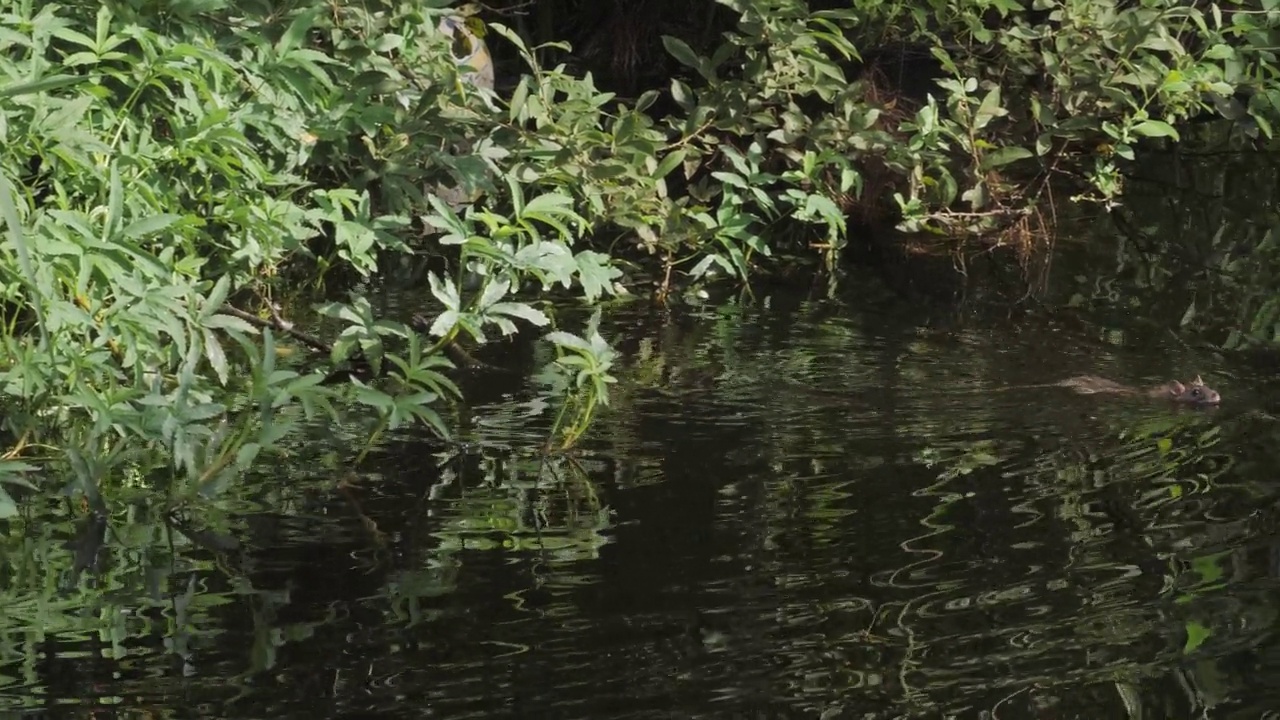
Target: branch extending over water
<point>447,345</point>
<point>280,324</point>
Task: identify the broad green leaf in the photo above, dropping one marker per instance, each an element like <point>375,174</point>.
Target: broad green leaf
<point>595,274</point>
<point>444,323</point>
<point>1220,52</point>
<point>217,296</point>
<point>569,340</point>
<point>494,290</point>
<point>216,356</point>
<point>16,466</point>
<point>229,322</point>
<point>552,202</point>
<point>149,225</point>
<point>646,100</point>
<point>519,100</point>
<point>989,109</point>
<point>669,162</point>
<point>1155,128</point>
<point>523,311</point>
<point>43,85</point>
<point>115,204</point>
<point>1197,633</point>
<point>1004,156</point>
<point>682,95</point>
<point>8,508</point>
<point>1263,124</point>
<point>686,56</point>
<point>445,291</point>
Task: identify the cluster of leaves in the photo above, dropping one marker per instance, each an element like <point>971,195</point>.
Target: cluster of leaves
<point>158,172</point>
<point>1079,83</point>
<point>1087,80</point>
<point>794,118</point>
<point>801,114</point>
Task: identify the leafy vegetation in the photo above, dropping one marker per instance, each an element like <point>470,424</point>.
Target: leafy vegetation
<point>199,203</point>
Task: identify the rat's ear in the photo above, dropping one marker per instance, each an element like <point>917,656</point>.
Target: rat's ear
<point>1177,387</point>
<point>1197,381</point>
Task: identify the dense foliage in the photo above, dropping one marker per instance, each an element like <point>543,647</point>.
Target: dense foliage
<point>177,183</point>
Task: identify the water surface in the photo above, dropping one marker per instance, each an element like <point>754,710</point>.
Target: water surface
<point>793,509</point>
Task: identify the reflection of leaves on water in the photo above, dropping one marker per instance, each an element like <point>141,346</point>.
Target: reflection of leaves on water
<point>963,458</point>
<point>509,502</point>
<point>504,502</point>
<point>87,546</point>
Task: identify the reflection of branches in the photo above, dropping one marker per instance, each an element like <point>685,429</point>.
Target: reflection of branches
<point>933,555</point>
<point>537,502</point>
<point>345,486</point>
<point>995,709</point>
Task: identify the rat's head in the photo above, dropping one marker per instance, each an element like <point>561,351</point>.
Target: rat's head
<point>1193,393</point>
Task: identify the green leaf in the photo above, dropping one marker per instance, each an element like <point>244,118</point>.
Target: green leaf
<point>8,508</point>
<point>1189,316</point>
<point>75,37</point>
<point>9,473</point>
<point>707,261</point>
<point>512,37</point>
<point>1004,156</point>
<point>685,54</point>
<point>445,291</point>
<point>570,341</point>
<point>1196,635</point>
<point>444,323</point>
<point>682,95</point>
<point>669,162</point>
<point>229,322</point>
<point>680,50</point>
<point>646,100</point>
<point>16,466</point>
<point>217,296</point>
<point>494,291</point>
<point>1263,124</point>
<point>115,204</point>
<point>18,240</point>
<point>1155,128</point>
<point>519,99</point>
<point>297,31</point>
<point>149,225</point>
<point>523,311</point>
<point>989,109</point>
<point>1220,52</point>
<point>1044,143</point>
<point>43,85</point>
<point>552,202</point>
<point>216,356</point>
<point>595,273</point>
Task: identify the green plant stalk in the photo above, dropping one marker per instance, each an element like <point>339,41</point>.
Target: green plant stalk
<point>18,237</point>
<point>383,424</point>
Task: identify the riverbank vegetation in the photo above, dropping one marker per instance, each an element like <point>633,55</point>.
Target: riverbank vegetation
<point>201,201</point>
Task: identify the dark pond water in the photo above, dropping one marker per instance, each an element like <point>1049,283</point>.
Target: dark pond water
<point>793,509</point>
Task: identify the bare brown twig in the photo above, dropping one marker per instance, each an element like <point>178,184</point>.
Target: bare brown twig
<point>280,324</point>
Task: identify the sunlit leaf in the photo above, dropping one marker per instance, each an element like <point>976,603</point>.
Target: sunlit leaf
<point>989,109</point>
<point>1155,128</point>
<point>595,273</point>
<point>523,311</point>
<point>149,225</point>
<point>8,508</point>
